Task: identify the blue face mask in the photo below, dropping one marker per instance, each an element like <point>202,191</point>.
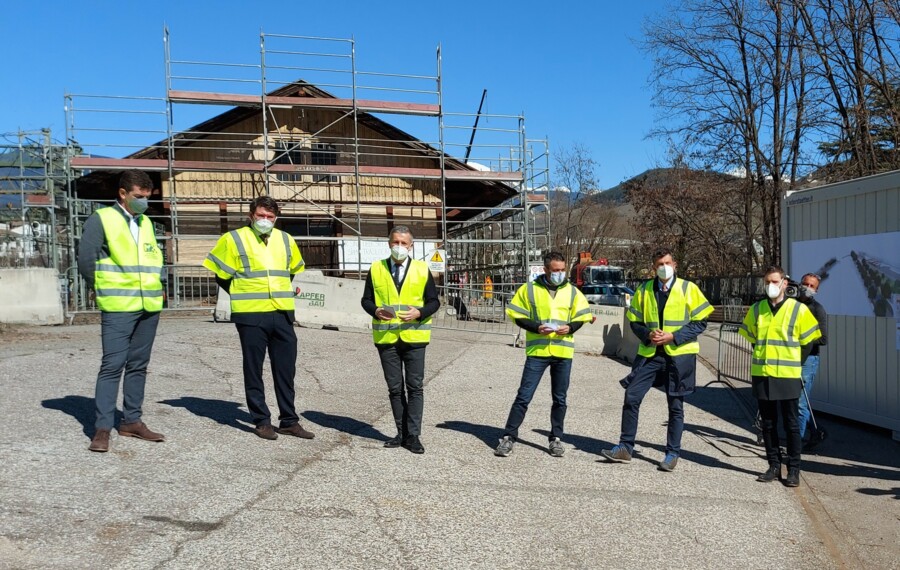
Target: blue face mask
<point>557,277</point>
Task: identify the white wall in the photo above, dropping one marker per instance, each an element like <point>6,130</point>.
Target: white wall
<point>30,296</point>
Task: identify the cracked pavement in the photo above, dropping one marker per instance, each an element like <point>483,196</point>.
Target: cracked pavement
<point>214,495</point>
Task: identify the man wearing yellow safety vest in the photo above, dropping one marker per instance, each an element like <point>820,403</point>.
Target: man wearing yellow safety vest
<point>119,259</point>
<point>401,296</point>
<point>551,310</point>
<point>255,265</point>
<point>667,314</point>
<point>778,327</point>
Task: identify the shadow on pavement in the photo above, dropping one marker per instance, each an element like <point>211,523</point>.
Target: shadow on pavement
<point>81,408</point>
<point>584,443</point>
<point>860,450</point>
<point>345,424</point>
<point>701,459</point>
<point>489,435</point>
<point>221,411</point>
<point>877,492</point>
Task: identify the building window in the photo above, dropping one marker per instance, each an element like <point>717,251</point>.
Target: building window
<point>324,154</point>
<point>289,153</point>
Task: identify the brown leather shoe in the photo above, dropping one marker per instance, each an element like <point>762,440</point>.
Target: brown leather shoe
<point>140,431</point>
<point>100,441</point>
<point>265,432</point>
<point>296,430</point>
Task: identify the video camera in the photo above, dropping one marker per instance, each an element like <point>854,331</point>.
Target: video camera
<point>793,288</point>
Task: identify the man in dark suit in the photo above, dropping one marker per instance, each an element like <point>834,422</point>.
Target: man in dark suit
<point>401,297</point>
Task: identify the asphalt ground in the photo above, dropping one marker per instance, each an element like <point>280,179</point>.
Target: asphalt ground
<point>214,495</point>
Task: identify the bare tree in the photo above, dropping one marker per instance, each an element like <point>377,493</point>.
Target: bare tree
<point>855,43</point>
<point>684,209</point>
<point>730,81</point>
<point>579,221</point>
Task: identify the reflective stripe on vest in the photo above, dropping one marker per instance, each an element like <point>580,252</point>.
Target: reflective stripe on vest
<point>262,282</point>
<point>129,279</point>
<point>778,338</point>
<point>411,295</point>
<point>686,303</point>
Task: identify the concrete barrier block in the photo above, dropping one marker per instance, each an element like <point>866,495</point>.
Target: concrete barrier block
<point>30,296</point>
<point>321,301</point>
<point>606,332</point>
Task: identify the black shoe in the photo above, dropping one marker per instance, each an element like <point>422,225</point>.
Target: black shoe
<point>413,444</point>
<point>772,473</point>
<point>793,478</point>
<point>395,441</point>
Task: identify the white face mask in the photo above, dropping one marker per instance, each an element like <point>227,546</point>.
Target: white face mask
<point>773,290</point>
<point>263,225</point>
<point>665,272</point>
<point>399,253</point>
<point>557,277</point>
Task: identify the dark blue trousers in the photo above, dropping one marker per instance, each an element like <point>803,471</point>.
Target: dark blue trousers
<point>127,340</point>
<point>272,332</point>
<point>560,368</point>
<point>656,371</point>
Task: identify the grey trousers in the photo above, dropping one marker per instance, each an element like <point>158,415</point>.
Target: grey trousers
<point>404,367</point>
<point>127,340</point>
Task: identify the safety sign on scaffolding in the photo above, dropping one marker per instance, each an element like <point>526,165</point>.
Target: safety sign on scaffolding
<point>536,271</point>
<point>437,261</point>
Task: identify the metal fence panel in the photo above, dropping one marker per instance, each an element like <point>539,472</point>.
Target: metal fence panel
<point>733,361</point>
<point>472,308</point>
<point>187,288</point>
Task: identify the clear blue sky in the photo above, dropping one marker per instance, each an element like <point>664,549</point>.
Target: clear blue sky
<point>572,68</point>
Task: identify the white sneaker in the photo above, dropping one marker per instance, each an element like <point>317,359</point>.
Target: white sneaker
<point>505,447</point>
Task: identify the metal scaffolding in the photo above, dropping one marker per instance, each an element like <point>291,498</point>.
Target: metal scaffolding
<point>33,177</point>
<point>304,124</point>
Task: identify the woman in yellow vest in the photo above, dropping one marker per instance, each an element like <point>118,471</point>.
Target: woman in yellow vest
<point>667,314</point>
<point>401,296</point>
<point>255,265</point>
<point>550,309</point>
<point>777,327</point>
<point>119,258</point>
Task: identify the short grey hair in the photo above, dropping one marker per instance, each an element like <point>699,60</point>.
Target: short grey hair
<point>399,230</point>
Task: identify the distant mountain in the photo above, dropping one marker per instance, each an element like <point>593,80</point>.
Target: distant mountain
<point>616,194</point>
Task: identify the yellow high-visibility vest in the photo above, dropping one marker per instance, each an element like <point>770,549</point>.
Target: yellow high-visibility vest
<point>533,301</point>
<point>260,273</point>
<point>411,294</point>
<point>686,303</point>
<point>777,338</point>
<point>129,279</point>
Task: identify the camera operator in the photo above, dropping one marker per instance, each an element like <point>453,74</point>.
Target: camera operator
<point>809,286</point>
